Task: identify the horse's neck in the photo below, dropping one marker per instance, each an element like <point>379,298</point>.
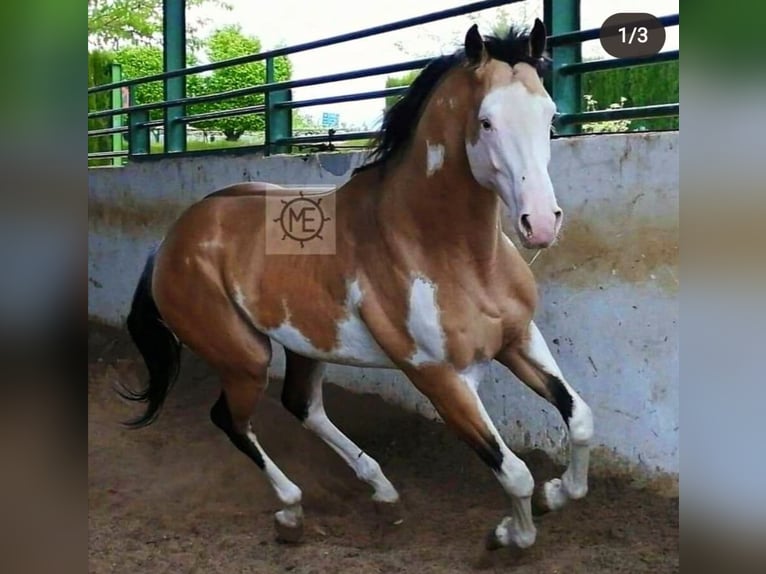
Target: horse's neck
<point>432,189</point>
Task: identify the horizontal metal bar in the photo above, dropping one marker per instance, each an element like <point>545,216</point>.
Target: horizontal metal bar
<point>107,131</point>
<point>594,33</point>
<point>384,93</point>
<point>259,109</point>
<point>227,150</point>
<point>317,80</point>
<point>339,39</point>
<point>635,113</point>
<point>101,154</point>
<point>600,65</point>
<point>326,138</point>
<point>151,124</point>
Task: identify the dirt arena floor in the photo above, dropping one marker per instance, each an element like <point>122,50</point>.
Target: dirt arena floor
<point>177,497</point>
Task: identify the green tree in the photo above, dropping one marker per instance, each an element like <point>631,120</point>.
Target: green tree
<point>640,86</point>
<point>225,43</point>
<point>304,122</point>
<point>396,81</point>
<point>142,61</point>
<point>116,23</point>
<point>99,64</point>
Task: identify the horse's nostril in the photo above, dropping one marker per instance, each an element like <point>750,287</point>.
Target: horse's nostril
<point>558,213</point>
<point>526,225</point>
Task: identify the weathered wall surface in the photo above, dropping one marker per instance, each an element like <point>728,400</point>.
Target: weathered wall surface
<point>608,289</point>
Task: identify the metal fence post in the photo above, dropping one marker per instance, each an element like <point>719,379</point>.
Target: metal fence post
<point>279,121</point>
<point>561,17</point>
<point>117,122</point>
<point>138,132</point>
<point>174,58</point>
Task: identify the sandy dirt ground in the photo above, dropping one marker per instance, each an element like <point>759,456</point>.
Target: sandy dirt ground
<point>177,497</point>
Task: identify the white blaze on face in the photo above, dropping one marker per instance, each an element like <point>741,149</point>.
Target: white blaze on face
<point>511,153</point>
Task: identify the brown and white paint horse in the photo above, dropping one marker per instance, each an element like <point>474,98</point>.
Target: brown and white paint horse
<point>423,279</point>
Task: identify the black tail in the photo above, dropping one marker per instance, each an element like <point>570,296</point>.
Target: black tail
<point>158,345</point>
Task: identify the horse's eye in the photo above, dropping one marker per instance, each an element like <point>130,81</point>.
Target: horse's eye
<point>486,124</point>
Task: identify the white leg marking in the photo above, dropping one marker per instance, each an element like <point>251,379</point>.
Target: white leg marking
<point>514,476</point>
<point>434,158</point>
<point>424,324</point>
<point>287,491</point>
<point>574,482</point>
<point>366,468</point>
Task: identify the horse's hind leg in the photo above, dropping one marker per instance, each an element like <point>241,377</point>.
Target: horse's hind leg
<point>533,363</point>
<point>231,413</point>
<point>302,396</point>
<point>241,356</point>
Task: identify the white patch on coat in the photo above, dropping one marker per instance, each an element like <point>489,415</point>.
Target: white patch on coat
<point>424,324</point>
<point>211,244</point>
<point>239,296</point>
<point>434,158</point>
<point>354,344</point>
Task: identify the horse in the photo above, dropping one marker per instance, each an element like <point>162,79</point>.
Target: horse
<point>422,278</point>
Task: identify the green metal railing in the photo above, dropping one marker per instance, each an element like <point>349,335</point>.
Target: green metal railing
<point>562,20</point>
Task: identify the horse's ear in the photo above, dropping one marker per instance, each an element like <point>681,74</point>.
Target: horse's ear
<point>474,46</point>
<point>537,39</point>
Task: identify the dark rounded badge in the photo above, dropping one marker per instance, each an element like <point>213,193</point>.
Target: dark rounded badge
<point>632,35</point>
<point>302,219</point>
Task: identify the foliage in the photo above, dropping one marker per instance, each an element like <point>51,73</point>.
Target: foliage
<point>142,61</point>
<point>116,23</point>
<point>305,122</point>
<point>396,81</point>
<point>610,126</point>
<point>640,86</point>
<point>99,72</point>
<point>225,43</point>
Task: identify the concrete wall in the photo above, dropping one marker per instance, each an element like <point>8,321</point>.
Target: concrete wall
<point>608,289</point>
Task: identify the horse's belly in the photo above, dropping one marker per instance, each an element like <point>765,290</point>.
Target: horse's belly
<point>354,345</point>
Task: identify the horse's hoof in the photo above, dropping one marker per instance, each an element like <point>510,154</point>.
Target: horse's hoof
<point>289,529</point>
<point>389,512</point>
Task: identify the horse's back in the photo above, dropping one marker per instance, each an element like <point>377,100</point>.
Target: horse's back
<point>266,189</point>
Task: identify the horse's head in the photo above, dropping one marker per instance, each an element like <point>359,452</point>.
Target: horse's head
<point>508,134</point>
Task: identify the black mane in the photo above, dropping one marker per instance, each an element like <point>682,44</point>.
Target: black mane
<point>401,119</point>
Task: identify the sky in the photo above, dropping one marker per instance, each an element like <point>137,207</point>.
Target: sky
<point>289,22</point>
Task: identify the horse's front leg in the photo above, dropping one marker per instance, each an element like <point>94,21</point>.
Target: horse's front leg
<point>454,395</point>
<point>531,361</point>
